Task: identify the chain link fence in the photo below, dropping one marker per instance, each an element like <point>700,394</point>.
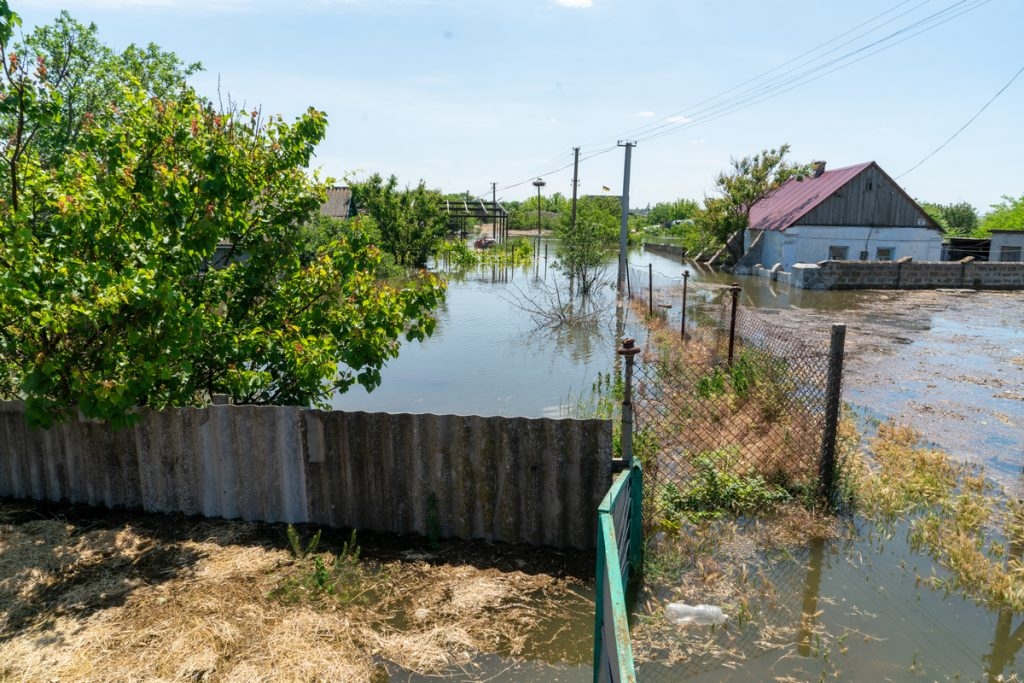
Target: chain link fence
<point>730,409</point>
<point>730,412</point>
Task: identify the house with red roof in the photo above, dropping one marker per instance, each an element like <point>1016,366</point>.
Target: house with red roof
<point>856,213</point>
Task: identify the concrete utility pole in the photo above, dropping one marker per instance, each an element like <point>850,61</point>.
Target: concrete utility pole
<point>575,182</point>
<point>494,210</point>
<point>624,227</point>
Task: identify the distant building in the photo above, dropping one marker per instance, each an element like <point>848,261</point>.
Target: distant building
<point>338,204</point>
<point>853,213</point>
<point>1007,245</point>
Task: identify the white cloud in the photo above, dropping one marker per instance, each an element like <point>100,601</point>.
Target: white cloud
<point>577,4</point>
<point>678,119</point>
<point>644,114</point>
<point>697,141</point>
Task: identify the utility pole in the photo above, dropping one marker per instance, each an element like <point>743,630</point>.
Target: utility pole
<point>575,182</point>
<point>624,226</point>
<point>494,210</point>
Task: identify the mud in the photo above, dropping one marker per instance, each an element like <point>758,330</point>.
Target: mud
<point>950,363</point>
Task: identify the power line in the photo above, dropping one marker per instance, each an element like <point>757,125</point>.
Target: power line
<point>780,85</point>
<point>820,72</point>
<point>739,97</point>
<point>963,127</point>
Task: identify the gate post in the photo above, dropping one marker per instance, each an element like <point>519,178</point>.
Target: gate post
<point>833,398</point>
<point>628,351</point>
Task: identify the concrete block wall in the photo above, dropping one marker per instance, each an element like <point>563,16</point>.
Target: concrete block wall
<point>906,274</point>
<point>514,480</point>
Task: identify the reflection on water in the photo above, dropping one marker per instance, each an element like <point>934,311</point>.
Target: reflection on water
<point>488,356</point>
<point>854,611</point>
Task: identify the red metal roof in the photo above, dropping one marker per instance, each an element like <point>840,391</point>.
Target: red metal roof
<point>794,198</point>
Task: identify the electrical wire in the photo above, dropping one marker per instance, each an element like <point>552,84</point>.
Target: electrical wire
<point>963,127</point>
<point>739,97</point>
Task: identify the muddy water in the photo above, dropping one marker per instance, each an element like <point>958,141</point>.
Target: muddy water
<point>948,362</point>
<point>853,611</point>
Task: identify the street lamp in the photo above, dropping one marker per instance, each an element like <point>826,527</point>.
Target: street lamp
<point>538,183</point>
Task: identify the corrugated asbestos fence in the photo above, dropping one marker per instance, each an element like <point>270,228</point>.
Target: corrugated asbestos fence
<point>515,480</point>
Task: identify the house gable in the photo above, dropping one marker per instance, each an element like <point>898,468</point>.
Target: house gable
<point>871,199</point>
<point>862,195</point>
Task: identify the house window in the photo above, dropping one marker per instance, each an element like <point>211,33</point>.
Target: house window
<point>836,253</point>
<point>864,256</point>
<point>1008,253</point>
<point>883,254</point>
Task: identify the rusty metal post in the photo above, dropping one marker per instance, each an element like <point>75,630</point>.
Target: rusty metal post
<point>833,401</point>
<point>650,289</point>
<point>735,290</point>
<point>628,352</point>
<point>682,325</point>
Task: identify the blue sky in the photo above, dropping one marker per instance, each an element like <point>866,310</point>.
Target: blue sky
<point>464,92</point>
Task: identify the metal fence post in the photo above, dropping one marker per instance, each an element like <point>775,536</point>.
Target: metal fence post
<point>833,398</point>
<point>650,289</point>
<point>628,351</point>
<point>735,289</point>
<point>682,325</point>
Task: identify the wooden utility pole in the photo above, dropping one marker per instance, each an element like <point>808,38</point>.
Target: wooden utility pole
<point>624,227</point>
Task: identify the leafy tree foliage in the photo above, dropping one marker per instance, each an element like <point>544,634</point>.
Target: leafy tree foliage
<point>583,248</point>
<point>157,260</point>
<point>958,219</point>
<point>663,213</point>
<point>1006,215</point>
<point>62,77</point>
<point>750,180</point>
<point>409,221</point>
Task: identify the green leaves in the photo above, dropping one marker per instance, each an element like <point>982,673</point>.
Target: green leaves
<point>409,221</point>
<point>157,259</point>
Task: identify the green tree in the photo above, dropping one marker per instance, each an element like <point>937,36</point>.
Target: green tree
<point>750,180</point>
<point>62,77</point>
<point>158,262</point>
<point>1006,215</point>
<point>583,248</point>
<point>958,219</point>
<point>409,221</point>
<point>663,213</point>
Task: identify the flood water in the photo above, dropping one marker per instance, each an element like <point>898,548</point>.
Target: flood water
<point>951,364</point>
<point>856,611</point>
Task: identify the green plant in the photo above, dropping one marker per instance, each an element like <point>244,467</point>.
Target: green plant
<point>717,489</point>
<point>456,253</point>
<point>295,543</point>
<point>340,578</point>
<point>711,385</point>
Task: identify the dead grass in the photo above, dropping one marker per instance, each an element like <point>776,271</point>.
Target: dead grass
<point>965,521</point>
<point>153,598</point>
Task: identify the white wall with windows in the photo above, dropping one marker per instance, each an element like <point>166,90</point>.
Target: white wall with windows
<point>813,244</point>
<point>1007,245</point>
